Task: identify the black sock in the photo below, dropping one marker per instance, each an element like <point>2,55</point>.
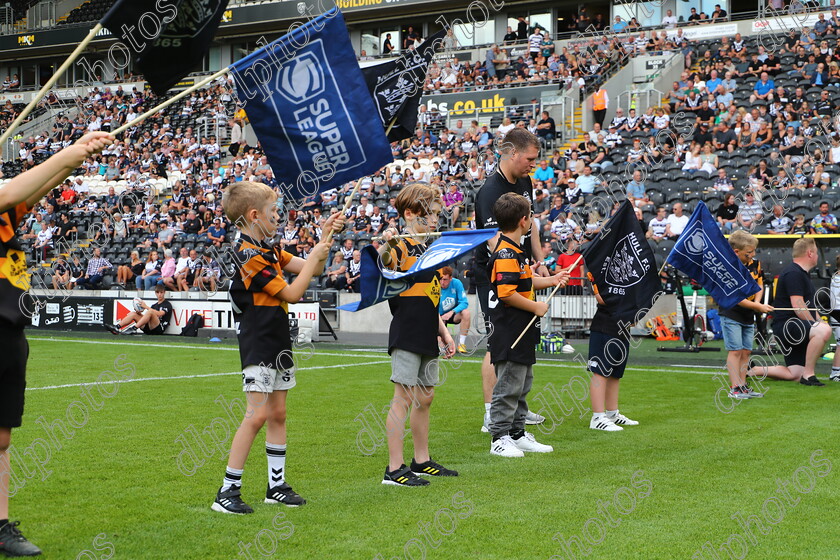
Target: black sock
<point>3,523</point>
<point>517,435</point>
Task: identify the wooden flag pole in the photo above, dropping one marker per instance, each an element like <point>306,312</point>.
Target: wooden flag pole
<point>171,100</point>
<point>551,295</point>
<point>50,83</point>
<point>412,235</point>
<point>347,206</point>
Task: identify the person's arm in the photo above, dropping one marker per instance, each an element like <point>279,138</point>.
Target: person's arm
<point>542,282</point>
<point>460,296</point>
<point>757,306</point>
<point>444,334</point>
<point>32,185</point>
<point>801,309</point>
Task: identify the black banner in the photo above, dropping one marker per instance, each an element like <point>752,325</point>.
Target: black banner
<point>74,313</point>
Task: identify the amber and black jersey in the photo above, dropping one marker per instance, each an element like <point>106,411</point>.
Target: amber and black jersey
<point>262,319</point>
<point>742,314</point>
<point>14,278</point>
<point>416,322</point>
<point>510,272</point>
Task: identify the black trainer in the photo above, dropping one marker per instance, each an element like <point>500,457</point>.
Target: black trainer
<point>230,501</point>
<point>812,381</point>
<point>283,494</point>
<point>403,477</point>
<point>13,543</point>
<point>113,329</point>
<point>430,468</point>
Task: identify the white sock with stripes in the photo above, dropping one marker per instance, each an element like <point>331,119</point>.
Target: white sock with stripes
<point>598,415</point>
<point>233,477</point>
<point>835,371</point>
<point>276,454</point>
<point>611,414</point>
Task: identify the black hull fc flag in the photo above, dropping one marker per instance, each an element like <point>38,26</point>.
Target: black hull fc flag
<point>167,38</point>
<point>397,86</point>
<point>623,266</point>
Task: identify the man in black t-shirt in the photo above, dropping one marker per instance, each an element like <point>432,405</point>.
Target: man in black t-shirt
<point>519,152</point>
<point>153,319</point>
<point>801,334</point>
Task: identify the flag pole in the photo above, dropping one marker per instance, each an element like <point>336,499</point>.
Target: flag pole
<point>347,204</point>
<point>412,235</point>
<point>551,295</point>
<point>171,100</point>
<point>50,83</point>
<point>390,126</point>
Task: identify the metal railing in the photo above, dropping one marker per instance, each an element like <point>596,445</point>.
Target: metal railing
<point>639,99</point>
<point>41,16</point>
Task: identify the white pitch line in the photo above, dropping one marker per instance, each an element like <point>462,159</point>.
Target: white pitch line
<point>190,376</point>
<point>375,354</point>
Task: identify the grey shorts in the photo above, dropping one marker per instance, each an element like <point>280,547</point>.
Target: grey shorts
<point>410,369</point>
<point>262,379</point>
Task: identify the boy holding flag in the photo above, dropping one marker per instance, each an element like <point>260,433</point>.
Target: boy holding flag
<point>413,339</point>
<point>512,307</point>
<point>260,299</point>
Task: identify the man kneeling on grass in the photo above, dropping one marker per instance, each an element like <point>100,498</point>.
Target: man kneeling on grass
<point>147,319</point>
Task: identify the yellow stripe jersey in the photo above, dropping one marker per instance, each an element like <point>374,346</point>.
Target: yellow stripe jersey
<point>415,324</point>
<point>510,272</point>
<point>14,278</point>
<point>262,319</point>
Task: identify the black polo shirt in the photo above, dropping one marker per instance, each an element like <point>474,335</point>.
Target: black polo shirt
<point>793,281</point>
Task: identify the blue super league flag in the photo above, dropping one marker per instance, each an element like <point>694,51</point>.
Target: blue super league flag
<point>704,254</point>
<point>379,284</point>
<point>311,108</point>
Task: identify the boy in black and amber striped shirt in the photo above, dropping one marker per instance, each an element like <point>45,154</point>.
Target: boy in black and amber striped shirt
<point>512,305</point>
<point>260,300</point>
<point>413,339</point>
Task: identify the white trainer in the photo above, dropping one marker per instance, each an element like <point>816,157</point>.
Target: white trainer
<point>485,428</point>
<point>621,420</point>
<point>528,443</point>
<point>568,349</point>
<point>604,424</point>
<point>504,447</point>
<point>534,418</point>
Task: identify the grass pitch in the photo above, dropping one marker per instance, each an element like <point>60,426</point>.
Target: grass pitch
<point>115,470</point>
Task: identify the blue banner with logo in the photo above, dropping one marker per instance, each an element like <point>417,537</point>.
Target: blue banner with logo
<point>308,102</point>
<point>378,284</point>
<point>704,254</point>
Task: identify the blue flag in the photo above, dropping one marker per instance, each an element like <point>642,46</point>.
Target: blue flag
<point>704,254</point>
<point>311,108</point>
<point>378,284</point>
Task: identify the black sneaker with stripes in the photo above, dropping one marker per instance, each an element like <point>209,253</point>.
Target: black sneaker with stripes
<point>283,494</point>
<point>403,477</point>
<point>13,543</point>
<point>230,501</point>
<point>430,468</point>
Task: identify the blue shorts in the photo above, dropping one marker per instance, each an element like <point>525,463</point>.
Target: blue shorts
<point>737,336</point>
<point>607,355</point>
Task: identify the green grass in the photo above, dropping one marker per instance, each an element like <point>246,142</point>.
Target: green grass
<point>118,475</point>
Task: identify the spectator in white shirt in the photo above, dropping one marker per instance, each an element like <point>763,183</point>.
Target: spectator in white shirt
<point>669,21</point>
<point>676,222</point>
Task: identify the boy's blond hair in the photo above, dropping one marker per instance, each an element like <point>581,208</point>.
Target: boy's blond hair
<point>740,240</point>
<point>241,197</point>
<point>419,198</point>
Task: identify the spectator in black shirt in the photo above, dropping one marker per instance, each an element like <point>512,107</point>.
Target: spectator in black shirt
<point>694,18</point>
<point>362,222</point>
<point>522,29</point>
<point>192,224</point>
<point>702,135</point>
<point>510,36</point>
<point>546,128</point>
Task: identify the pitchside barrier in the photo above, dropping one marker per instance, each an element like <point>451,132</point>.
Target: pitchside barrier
<point>81,310</point>
<point>89,310</point>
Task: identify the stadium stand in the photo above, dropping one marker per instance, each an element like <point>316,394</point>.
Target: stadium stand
<point>167,166</point>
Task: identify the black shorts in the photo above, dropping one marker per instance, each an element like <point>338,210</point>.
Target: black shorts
<point>157,330</point>
<point>607,355</point>
<point>452,321</point>
<point>483,292</point>
<point>15,352</point>
<point>793,336</point>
